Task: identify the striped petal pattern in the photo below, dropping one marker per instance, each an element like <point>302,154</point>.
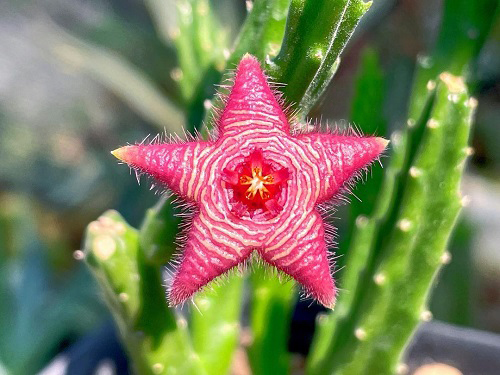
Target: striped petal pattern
<point>255,148</point>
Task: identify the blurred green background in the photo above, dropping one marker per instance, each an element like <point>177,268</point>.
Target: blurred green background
<point>60,117</point>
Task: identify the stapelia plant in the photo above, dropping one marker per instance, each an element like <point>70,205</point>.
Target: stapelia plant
<point>256,186</point>
<point>260,184</point>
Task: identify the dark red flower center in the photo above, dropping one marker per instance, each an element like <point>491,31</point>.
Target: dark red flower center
<point>256,186</point>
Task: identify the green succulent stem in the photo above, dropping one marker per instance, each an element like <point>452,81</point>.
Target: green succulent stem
<point>416,246</point>
<point>215,323</point>
<point>316,33</point>
<point>272,303</point>
<point>156,337</point>
<point>401,230</point>
<point>400,238</point>
<point>406,250</point>
<point>263,30</point>
<point>366,115</point>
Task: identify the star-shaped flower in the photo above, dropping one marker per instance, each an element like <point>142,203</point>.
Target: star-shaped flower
<point>257,188</point>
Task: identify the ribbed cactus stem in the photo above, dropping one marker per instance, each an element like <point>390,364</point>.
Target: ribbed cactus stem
<point>316,34</point>
<point>215,323</point>
<point>263,30</point>
<point>440,176</point>
<point>366,113</point>
<point>270,315</point>
<point>155,337</point>
<point>415,246</point>
<point>322,350</point>
<point>418,193</point>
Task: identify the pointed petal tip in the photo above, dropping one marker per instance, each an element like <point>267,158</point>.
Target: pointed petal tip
<point>249,61</point>
<point>328,301</point>
<point>383,142</point>
<point>178,294</point>
<point>121,153</point>
<point>248,56</point>
<point>330,306</point>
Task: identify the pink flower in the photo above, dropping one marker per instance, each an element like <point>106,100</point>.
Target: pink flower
<point>257,188</point>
